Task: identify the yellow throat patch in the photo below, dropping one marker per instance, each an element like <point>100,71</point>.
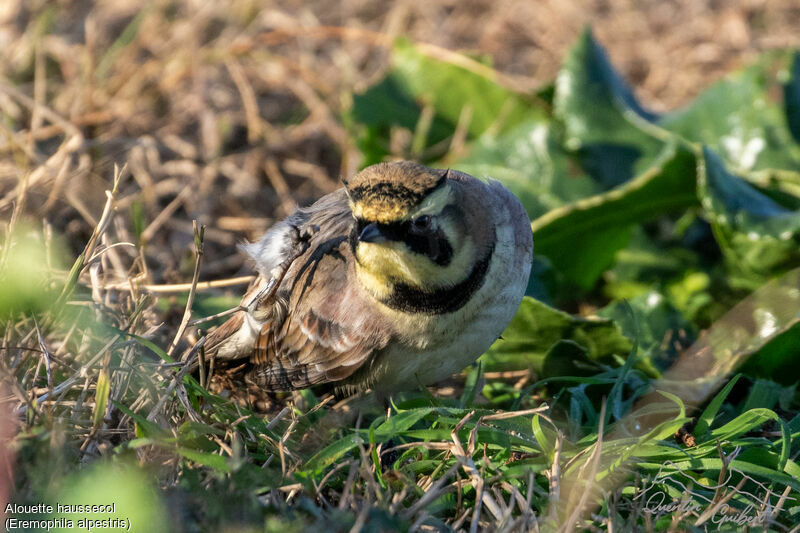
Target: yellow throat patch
<point>382,265</point>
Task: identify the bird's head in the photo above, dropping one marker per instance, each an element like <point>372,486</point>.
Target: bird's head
<point>413,228</point>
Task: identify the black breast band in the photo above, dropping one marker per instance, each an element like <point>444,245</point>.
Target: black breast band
<point>414,300</point>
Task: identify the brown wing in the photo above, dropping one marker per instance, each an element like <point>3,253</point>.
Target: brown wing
<point>326,327</point>
<point>306,351</point>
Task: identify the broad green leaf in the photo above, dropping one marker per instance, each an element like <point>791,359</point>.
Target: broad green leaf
<point>193,435</point>
<point>738,119</point>
<point>531,163</point>
<point>452,82</point>
<point>758,236</point>
<point>672,260</point>
<point>456,89</point>
<point>604,124</point>
<point>386,105</point>
<point>783,186</point>
<point>766,456</point>
<point>764,393</point>
<point>581,239</point>
<point>536,328</point>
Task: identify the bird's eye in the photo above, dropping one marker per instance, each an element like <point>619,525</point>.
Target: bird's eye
<point>422,222</point>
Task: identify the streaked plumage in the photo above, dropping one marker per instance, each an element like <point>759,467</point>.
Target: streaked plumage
<point>409,275</point>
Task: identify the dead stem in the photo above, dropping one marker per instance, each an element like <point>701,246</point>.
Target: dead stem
<point>187,313</point>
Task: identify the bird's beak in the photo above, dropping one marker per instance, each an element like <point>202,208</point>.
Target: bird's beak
<point>371,233</point>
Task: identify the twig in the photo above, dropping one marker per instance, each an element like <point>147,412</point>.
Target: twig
<point>279,184</point>
<point>227,312</point>
<point>166,213</point>
<point>249,101</point>
<point>187,312</point>
<point>184,287</point>
<point>99,229</point>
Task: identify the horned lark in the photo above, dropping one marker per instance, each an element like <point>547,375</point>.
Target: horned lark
<point>403,277</point>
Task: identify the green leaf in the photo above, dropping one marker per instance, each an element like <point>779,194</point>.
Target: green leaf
<point>546,444</point>
<point>386,105</point>
<point>452,82</point>
<point>581,239</point>
<point>536,328</point>
<point>777,358</point>
<point>715,464</point>
<point>101,399</point>
<point>211,460</point>
<point>531,163</point>
<point>400,422</point>
<point>604,124</point>
<point>743,423</point>
<point>472,385</point>
<point>791,97</point>
<point>332,453</point>
<point>764,393</point>
<point>658,322</point>
<point>568,358</point>
<point>456,88</point>
<point>193,435</point>
<point>144,428</point>
<point>783,186</point>
<point>758,236</point>
<point>709,413</point>
<point>737,118</point>
<point>770,314</point>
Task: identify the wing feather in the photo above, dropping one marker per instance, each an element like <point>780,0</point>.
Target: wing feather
<point>310,342</point>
